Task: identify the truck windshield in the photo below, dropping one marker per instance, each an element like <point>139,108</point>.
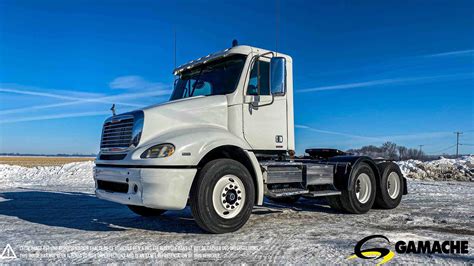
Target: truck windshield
<point>217,77</point>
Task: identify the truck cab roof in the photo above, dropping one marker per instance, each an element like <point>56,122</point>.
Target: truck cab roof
<point>239,49</point>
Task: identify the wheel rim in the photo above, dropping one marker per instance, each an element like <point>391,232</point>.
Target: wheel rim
<point>393,185</point>
<point>363,188</point>
<point>228,196</point>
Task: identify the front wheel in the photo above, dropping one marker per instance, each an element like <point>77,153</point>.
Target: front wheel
<point>222,197</point>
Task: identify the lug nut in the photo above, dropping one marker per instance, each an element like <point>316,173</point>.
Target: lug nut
<point>237,204</point>
<point>239,198</point>
<point>228,206</point>
<point>231,186</point>
<point>238,191</point>
<point>224,201</point>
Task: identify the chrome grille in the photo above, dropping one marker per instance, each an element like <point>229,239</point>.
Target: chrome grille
<point>117,132</point>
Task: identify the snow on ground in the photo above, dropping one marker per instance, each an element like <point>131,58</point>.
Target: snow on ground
<point>78,174</point>
<point>461,169</point>
<point>50,214</point>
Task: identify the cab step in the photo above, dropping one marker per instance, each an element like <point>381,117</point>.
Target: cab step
<point>323,193</point>
<point>286,192</point>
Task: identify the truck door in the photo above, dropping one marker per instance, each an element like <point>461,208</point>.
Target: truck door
<point>265,117</point>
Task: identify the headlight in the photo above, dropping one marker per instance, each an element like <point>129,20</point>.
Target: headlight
<point>159,151</point>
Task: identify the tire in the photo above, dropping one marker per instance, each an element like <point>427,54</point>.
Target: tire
<point>144,211</point>
<point>390,188</point>
<point>334,202</point>
<point>360,196</point>
<point>222,196</point>
<point>285,200</point>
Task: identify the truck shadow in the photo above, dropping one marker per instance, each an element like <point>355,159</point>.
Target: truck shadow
<point>303,204</point>
<point>84,211</point>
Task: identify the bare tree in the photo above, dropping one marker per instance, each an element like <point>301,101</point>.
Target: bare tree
<point>415,154</point>
<point>402,152</point>
<point>390,150</point>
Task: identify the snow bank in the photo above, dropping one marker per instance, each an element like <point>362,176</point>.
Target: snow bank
<point>460,169</point>
<point>78,174</point>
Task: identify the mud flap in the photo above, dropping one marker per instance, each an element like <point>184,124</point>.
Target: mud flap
<point>405,186</point>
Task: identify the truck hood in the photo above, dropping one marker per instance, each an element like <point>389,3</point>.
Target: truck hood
<point>189,113</point>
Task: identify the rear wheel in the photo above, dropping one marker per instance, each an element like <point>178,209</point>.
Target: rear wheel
<point>222,197</point>
<point>144,211</point>
<point>360,196</point>
<point>390,189</point>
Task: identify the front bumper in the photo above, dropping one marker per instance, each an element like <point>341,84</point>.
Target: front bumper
<point>158,188</point>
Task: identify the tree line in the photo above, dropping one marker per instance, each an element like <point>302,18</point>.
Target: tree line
<point>390,150</point>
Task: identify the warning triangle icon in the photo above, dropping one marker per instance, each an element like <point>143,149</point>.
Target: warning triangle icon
<point>8,253</point>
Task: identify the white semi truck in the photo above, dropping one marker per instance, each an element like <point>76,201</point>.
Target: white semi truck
<point>226,140</point>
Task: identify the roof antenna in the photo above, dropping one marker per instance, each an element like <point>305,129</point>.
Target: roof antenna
<point>235,43</point>
<point>277,18</point>
<point>174,47</point>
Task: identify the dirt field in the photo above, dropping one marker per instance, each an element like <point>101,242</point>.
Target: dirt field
<point>33,161</point>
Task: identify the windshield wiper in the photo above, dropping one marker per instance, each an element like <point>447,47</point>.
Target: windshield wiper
<point>195,82</point>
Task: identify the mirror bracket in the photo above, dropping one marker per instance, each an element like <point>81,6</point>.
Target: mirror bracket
<point>265,104</point>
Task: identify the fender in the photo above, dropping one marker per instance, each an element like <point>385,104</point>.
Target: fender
<point>193,144</point>
<point>344,166</point>
<point>259,176</point>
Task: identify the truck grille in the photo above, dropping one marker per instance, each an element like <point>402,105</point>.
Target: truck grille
<point>117,133</point>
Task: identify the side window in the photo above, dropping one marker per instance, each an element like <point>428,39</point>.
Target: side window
<point>264,85</point>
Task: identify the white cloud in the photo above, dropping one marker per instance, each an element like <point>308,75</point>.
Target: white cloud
<point>136,83</point>
<point>336,133</point>
<point>76,98</point>
<point>50,117</point>
<point>352,85</point>
<point>372,83</point>
<point>453,53</point>
<point>47,94</point>
<point>381,139</point>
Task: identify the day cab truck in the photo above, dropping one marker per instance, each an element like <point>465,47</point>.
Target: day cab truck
<point>226,140</point>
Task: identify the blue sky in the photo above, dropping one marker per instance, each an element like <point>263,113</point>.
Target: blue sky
<point>365,71</point>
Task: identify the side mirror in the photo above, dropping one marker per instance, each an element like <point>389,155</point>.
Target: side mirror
<point>278,75</point>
